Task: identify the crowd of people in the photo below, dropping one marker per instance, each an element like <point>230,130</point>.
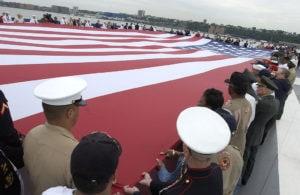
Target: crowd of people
<point>246,43</point>
<point>219,141</point>
<point>71,21</point>
<point>77,21</point>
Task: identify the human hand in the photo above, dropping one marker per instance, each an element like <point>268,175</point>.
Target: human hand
<point>147,179</point>
<point>130,190</point>
<point>169,153</point>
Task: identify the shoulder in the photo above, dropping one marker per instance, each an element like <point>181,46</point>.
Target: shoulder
<point>36,131</point>
<point>59,190</point>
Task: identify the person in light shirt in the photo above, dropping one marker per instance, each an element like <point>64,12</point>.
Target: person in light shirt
<point>34,20</point>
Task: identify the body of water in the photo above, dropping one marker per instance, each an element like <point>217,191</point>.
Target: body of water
<point>39,14</point>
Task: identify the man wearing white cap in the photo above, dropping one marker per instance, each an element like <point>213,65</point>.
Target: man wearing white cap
<point>63,21</point>
<point>203,133</point>
<point>48,147</point>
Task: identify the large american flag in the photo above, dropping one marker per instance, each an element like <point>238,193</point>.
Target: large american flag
<point>138,81</point>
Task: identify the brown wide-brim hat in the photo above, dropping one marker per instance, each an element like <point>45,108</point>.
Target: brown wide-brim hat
<point>268,83</point>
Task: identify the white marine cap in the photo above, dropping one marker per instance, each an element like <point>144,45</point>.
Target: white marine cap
<point>284,66</point>
<point>203,130</point>
<point>258,67</point>
<point>61,91</point>
<point>294,61</point>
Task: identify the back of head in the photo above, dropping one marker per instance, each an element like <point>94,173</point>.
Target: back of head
<point>213,98</point>
<point>94,162</point>
<point>54,113</point>
<point>58,95</point>
<point>285,72</point>
<point>238,83</point>
<point>291,65</point>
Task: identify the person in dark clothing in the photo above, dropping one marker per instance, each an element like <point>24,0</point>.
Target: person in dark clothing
<point>199,175</point>
<point>266,109</point>
<point>11,152</point>
<point>213,99</point>
<point>9,180</point>
<point>284,86</point>
<point>98,24</point>
<point>10,143</point>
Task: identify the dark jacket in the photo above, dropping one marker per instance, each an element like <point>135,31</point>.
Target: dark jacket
<point>10,143</point>
<point>284,87</point>
<point>282,93</point>
<point>206,181</point>
<point>266,109</point>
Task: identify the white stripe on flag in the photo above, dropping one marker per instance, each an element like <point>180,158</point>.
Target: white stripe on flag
<point>39,59</point>
<point>100,84</point>
<point>121,49</point>
<point>45,35</point>
<point>92,42</point>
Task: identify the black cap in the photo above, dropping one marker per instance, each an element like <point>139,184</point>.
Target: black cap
<point>251,79</point>
<point>268,83</point>
<point>249,76</point>
<point>94,160</point>
<point>265,73</point>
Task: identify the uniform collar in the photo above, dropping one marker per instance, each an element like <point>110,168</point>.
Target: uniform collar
<point>203,172</point>
<point>61,130</point>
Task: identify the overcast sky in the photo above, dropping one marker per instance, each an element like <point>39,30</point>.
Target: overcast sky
<point>269,14</point>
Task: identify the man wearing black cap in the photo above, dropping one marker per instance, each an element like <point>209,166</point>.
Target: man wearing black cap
<point>93,166</point>
<point>239,107</point>
<point>266,109</point>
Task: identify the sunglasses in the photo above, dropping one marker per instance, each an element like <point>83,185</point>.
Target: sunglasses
<point>79,102</point>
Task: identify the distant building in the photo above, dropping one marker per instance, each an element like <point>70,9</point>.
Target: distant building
<point>141,13</point>
<point>205,21</point>
<point>60,9</point>
<point>215,29</point>
<point>75,11</point>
